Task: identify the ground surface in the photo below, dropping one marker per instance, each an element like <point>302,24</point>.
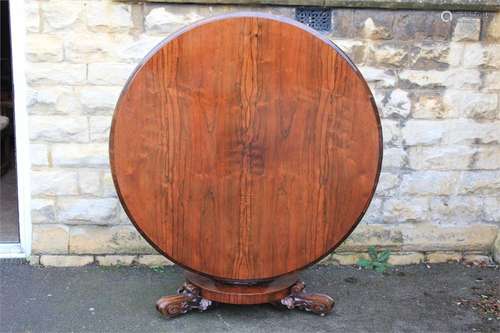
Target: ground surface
<point>95,299</point>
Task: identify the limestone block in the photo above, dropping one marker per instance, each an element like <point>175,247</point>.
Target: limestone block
<point>32,16</point>
<point>441,157</point>
<point>115,260</point>
<point>492,209</point>
<point>440,257</point>
<point>59,14</point>
<point>108,16</point>
<point>78,210</point>
<point>44,48</point>
<point>136,50</point>
<point>373,24</point>
<point>487,157</point>
<point>96,99</point>
<point>109,73</point>
<point>432,55</point>
<point>405,209</point>
<point>344,259</point>
<point>493,28</point>
<point>59,128</point>
<point>477,54</point>
<point>479,183</point>
<point>397,104</point>
<point>400,259</point>
<point>54,182</point>
<point>53,100</point>
<point>107,240</point>
<point>85,155</point>
<point>65,261</point>
<point>56,73</point>
<point>464,131</point>
<point>423,132</point>
<point>394,158</point>
<point>496,248</point>
<point>391,132</point>
<point>456,210</point>
<point>152,260</point>
<point>387,184</point>
<point>459,103</point>
<point>454,78</point>
<point>94,47</point>
<point>378,77</point>
<point>42,210</point>
<point>50,238</point>
<point>39,154</point>
<point>167,19</point>
<point>89,181</point>
<point>355,49</point>
<point>108,187</point>
<point>467,29</point>
<point>429,107</point>
<point>492,80</point>
<point>477,260</point>
<point>430,237</point>
<point>373,213</point>
<point>430,182</point>
<point>387,54</point>
<point>365,235</point>
<point>420,25</point>
<point>99,128</point>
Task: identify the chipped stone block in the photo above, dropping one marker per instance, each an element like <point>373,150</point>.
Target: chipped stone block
<point>99,128</point>
<point>440,157</point>
<point>441,257</point>
<point>95,210</point>
<point>405,209</point>
<point>44,48</point>
<point>54,182</point>
<point>42,210</point>
<point>65,261</point>
<point>108,16</point>
<point>401,259</point>
<point>467,29</point>
<point>59,128</point>
<point>487,157</point>
<point>109,73</point>
<point>107,240</point>
<point>89,181</point>
<point>84,155</point>
<point>39,154</point>
<point>152,260</point>
<point>430,237</point>
<point>430,182</point>
<point>456,210</point>
<point>50,238</point>
<point>115,260</point>
<point>56,73</point>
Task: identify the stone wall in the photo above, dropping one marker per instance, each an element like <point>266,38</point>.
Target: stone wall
<point>436,83</point>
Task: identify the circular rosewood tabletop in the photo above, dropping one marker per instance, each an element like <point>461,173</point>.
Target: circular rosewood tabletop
<point>245,147</point>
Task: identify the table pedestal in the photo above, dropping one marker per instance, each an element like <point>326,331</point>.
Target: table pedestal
<point>201,292</point>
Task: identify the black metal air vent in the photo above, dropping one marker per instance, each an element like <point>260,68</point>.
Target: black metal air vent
<point>318,18</point>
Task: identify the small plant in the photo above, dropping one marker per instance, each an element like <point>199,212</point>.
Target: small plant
<point>377,261</point>
<point>158,269</point>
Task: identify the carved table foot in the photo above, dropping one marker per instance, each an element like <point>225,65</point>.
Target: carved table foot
<point>298,299</point>
<point>188,299</point>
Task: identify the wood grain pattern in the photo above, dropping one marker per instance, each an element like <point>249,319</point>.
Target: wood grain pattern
<point>245,147</point>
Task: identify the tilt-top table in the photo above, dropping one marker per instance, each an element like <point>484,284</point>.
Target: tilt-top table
<point>245,148</point>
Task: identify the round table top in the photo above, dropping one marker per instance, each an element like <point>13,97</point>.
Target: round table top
<point>245,147</point>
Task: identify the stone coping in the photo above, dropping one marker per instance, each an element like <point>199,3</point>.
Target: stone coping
<point>466,5</point>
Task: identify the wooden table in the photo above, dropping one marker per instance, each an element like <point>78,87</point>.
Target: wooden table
<point>245,148</point>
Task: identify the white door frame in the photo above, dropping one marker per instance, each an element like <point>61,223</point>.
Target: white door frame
<point>18,38</point>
